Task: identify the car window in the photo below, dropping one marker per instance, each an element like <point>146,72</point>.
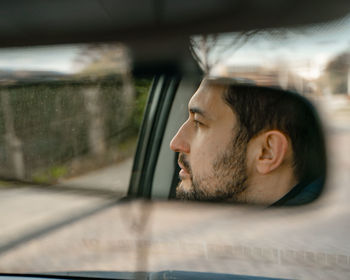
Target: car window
<point>70,116</point>
<point>65,117</point>
<point>81,135</point>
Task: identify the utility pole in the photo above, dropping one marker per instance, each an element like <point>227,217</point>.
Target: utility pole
<point>96,134</point>
<point>13,143</point>
<point>348,88</point>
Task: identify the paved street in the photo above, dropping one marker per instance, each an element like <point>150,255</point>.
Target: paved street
<point>111,178</point>
<point>29,212</point>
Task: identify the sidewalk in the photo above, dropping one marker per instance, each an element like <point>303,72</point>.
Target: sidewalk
<point>34,211</point>
<point>111,178</point>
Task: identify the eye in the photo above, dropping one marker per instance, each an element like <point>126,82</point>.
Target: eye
<point>197,123</point>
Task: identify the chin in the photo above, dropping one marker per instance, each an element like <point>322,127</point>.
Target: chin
<point>184,189</point>
<point>186,185</point>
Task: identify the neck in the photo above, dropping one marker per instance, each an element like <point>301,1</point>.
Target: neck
<point>268,188</point>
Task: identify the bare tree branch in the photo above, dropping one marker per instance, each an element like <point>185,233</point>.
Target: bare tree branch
<point>208,53</point>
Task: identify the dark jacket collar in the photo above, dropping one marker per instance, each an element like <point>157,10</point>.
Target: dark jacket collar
<point>302,193</point>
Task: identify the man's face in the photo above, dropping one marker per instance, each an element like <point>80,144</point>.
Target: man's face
<point>212,154</point>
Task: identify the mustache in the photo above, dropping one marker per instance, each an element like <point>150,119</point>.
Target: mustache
<point>183,160</point>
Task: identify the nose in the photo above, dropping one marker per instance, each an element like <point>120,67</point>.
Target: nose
<point>179,143</point>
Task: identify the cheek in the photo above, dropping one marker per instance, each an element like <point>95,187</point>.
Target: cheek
<point>251,158</point>
<point>203,155</point>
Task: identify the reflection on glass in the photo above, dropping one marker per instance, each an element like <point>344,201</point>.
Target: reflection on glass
<point>271,147</point>
<point>313,61</point>
<point>64,115</point>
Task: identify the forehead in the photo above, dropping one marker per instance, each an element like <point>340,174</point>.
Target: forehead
<point>210,98</point>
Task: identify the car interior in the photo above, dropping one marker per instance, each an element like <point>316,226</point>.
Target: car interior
<point>137,64</point>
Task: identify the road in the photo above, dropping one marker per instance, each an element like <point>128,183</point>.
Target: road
<point>114,178</point>
<point>30,212</point>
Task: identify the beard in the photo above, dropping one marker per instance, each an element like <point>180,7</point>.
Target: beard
<point>228,179</point>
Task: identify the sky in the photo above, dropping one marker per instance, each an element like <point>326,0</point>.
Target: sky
<point>305,51</point>
<point>49,58</point>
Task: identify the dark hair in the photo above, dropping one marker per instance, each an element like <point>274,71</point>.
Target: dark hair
<point>259,109</point>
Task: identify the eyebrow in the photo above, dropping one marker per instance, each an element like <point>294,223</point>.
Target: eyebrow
<point>196,110</point>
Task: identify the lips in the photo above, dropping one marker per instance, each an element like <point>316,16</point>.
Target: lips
<point>183,172</point>
<point>182,167</point>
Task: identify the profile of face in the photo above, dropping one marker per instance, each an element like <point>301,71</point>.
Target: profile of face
<point>212,155</point>
<point>249,144</point>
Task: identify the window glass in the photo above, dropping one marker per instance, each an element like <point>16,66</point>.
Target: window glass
<point>69,120</point>
<point>70,115</point>
<point>310,61</point>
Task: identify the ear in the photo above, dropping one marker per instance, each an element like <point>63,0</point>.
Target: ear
<point>272,150</point>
